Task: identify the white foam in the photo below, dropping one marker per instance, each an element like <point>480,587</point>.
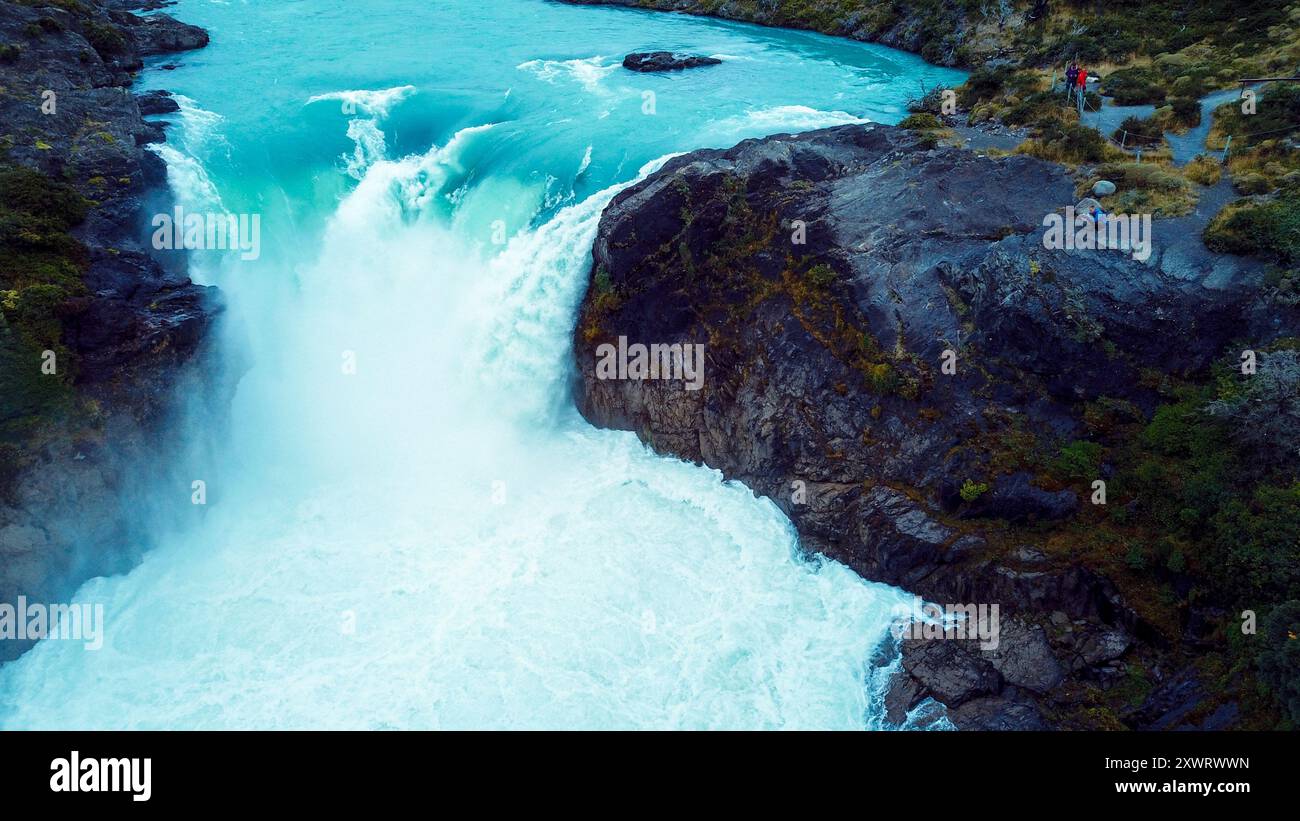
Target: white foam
<point>360,570</point>
<point>369,141</point>
<point>588,72</point>
<point>784,118</point>
<point>377,103</point>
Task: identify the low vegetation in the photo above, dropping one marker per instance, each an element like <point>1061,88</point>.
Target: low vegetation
<point>1145,188</point>
<point>1070,144</point>
<point>40,270</point>
<point>1268,228</point>
<point>1202,512</point>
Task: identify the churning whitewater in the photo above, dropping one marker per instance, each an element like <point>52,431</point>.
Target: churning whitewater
<point>407,524</point>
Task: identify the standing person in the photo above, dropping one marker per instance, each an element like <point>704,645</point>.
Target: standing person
<point>1071,77</point>
<point>1083,82</point>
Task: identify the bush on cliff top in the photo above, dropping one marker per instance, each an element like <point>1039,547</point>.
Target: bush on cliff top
<point>1266,229</point>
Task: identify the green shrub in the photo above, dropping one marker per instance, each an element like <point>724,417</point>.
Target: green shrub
<point>920,122</point>
<point>25,392</point>
<point>105,39</point>
<point>970,490</point>
<point>1250,183</point>
<point>1262,409</point>
<point>1277,112</point>
<point>1078,461</point>
<point>1279,660</point>
<point>1255,553</point>
<point>821,276</point>
<point>1039,107</point>
<point>982,85</point>
<point>1069,142</point>
<point>55,203</point>
<point>1186,110</point>
<point>1134,86</point>
<point>930,102</point>
<point>1268,229</point>
<point>40,268</point>
<point>1147,176</point>
<point>1136,131</point>
<point>1187,86</point>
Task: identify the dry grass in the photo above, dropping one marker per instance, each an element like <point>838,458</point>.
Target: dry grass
<point>1204,170</point>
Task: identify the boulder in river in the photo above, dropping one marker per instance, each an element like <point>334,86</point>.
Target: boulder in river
<point>666,61</point>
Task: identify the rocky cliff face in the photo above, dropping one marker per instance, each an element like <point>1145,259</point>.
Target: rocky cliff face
<point>894,358</point>
<point>97,340</point>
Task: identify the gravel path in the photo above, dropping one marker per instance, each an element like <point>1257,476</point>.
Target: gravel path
<point>1183,146</point>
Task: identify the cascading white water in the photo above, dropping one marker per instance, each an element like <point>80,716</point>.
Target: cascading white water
<point>411,526</point>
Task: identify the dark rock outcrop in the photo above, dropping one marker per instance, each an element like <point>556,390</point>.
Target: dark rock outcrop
<point>887,339</point>
<point>156,102</point>
<point>1024,657</point>
<point>947,671</point>
<point>1013,498</point>
<point>998,714</point>
<point>160,33</point>
<point>666,61</point>
<point>134,335</point>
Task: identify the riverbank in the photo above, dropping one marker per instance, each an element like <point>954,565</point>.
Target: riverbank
<point>99,342</point>
<point>1166,84</point>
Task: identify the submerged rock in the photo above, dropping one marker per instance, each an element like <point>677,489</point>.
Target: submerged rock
<point>666,61</point>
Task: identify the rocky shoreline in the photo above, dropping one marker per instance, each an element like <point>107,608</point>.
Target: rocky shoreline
<point>126,338</point>
<point>932,29</point>
<point>896,359</point>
